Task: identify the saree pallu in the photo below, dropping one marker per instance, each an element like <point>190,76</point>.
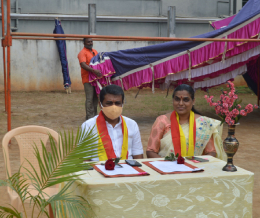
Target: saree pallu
<point>205,129</point>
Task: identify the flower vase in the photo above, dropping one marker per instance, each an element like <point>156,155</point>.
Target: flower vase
<point>230,145</point>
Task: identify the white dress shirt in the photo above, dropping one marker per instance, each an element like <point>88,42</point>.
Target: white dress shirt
<point>135,146</point>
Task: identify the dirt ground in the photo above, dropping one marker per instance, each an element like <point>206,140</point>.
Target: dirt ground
<point>59,111</point>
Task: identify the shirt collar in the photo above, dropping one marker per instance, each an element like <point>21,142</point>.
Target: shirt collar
<point>119,123</point>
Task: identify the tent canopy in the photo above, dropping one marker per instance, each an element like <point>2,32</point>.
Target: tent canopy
<point>201,64</point>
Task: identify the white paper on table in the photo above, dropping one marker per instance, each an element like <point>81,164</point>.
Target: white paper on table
<point>124,170</point>
<point>172,166</point>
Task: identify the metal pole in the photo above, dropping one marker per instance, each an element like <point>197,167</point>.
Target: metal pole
<point>101,18</point>
<point>3,45</point>
<point>9,43</point>
<point>73,39</point>
<point>5,14</point>
<point>171,21</point>
<point>135,38</point>
<point>5,87</point>
<point>258,81</point>
<point>92,21</point>
<point>234,6</point>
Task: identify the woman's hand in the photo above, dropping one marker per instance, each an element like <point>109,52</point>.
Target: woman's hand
<point>152,154</point>
<point>210,148</point>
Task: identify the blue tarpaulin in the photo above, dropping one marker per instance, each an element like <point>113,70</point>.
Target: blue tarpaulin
<point>127,60</point>
<point>61,44</point>
<point>128,63</point>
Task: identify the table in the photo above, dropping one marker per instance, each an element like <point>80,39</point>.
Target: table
<point>212,193</point>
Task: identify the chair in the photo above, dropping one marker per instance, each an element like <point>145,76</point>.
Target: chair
<point>26,136</point>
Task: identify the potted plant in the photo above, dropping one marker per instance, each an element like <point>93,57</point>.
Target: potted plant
<point>56,167</point>
<point>228,108</point>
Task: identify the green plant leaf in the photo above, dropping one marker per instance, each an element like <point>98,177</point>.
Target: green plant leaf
<point>55,167</point>
<point>9,212</point>
<point>117,160</point>
<point>171,157</point>
<point>70,160</point>
<point>75,205</point>
<point>239,101</point>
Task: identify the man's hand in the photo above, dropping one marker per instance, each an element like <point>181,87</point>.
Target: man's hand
<point>97,73</point>
<point>152,154</point>
<point>89,69</point>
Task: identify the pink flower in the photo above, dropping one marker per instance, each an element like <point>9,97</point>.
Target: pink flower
<point>225,111</point>
<point>235,112</point>
<point>217,110</point>
<point>208,100</point>
<point>231,84</point>
<point>243,113</point>
<point>249,108</point>
<point>227,119</point>
<point>222,96</point>
<point>225,105</point>
<point>232,122</point>
<point>226,99</point>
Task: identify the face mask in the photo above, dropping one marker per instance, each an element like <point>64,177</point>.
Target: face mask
<point>112,112</point>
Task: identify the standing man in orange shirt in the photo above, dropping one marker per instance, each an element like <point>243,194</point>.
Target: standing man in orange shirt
<point>84,57</point>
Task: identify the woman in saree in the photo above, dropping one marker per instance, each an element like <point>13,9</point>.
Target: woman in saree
<point>185,131</point>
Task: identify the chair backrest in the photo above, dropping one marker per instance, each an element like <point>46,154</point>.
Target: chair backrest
<point>26,137</point>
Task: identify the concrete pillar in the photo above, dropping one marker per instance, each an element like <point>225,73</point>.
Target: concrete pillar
<point>16,11</point>
<point>231,7</point>
<point>92,20</point>
<point>171,21</point>
<point>238,5</point>
<point>5,15</point>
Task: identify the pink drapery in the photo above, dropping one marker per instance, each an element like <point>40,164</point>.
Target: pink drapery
<point>200,57</point>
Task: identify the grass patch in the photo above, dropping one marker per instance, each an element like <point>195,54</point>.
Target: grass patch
<point>244,90</point>
<point>148,104</point>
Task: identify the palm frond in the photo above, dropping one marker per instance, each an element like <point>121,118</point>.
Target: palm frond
<point>60,165</point>
<point>55,167</point>
<point>19,184</point>
<point>9,212</point>
<point>69,205</point>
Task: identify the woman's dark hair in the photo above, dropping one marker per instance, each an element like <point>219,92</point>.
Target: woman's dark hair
<point>113,90</point>
<point>190,90</point>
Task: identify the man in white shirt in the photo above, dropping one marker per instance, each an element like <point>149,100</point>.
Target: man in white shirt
<point>120,135</point>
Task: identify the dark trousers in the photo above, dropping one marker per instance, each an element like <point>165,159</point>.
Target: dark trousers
<point>91,101</point>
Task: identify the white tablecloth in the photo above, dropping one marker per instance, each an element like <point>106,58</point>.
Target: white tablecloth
<point>212,193</point>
